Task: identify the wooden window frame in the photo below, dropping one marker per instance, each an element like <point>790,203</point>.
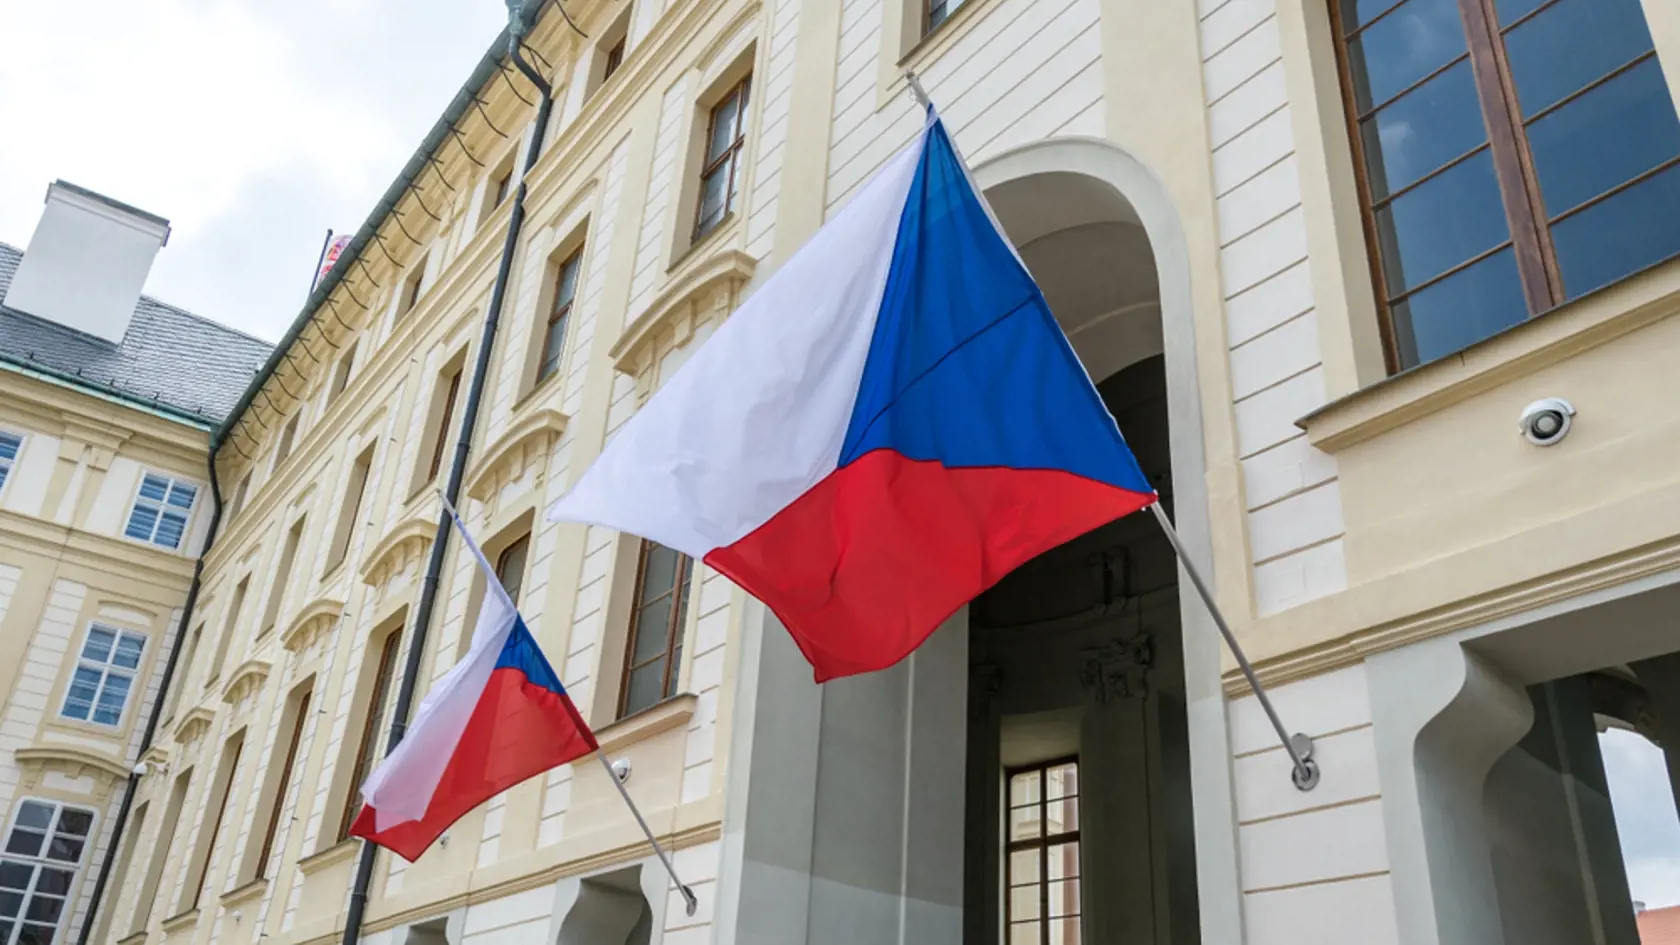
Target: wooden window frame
<point>502,557</point>
<point>1043,843</point>
<point>730,157</point>
<point>444,420</point>
<point>1528,227</point>
<point>226,788</point>
<point>559,314</point>
<point>383,676</point>
<point>273,827</point>
<point>674,620</point>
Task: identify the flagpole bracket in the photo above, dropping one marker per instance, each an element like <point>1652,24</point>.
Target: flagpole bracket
<point>1303,774</point>
<point>916,91</point>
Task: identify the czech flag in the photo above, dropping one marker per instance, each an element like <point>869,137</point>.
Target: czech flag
<point>498,717</point>
<point>888,426</point>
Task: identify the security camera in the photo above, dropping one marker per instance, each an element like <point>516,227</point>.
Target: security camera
<point>1546,421</point>
<point>140,769</point>
<point>621,769</point>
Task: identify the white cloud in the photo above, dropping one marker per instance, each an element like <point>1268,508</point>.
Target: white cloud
<point>1646,821</point>
<point>252,127</point>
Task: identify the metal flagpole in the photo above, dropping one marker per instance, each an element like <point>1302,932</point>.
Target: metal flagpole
<point>664,857</point>
<point>1300,747</point>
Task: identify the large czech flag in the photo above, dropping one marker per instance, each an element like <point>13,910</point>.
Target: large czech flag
<point>499,716</point>
<point>888,426</point>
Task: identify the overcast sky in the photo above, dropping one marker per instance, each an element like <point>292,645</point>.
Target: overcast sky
<point>252,126</point>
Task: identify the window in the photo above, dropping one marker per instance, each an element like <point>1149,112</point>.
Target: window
<point>1512,155</point>
<point>559,312</point>
<point>104,675</point>
<point>205,855</point>
<point>183,671</point>
<point>440,438</point>
<point>232,627</point>
<point>367,747</point>
<point>725,135</point>
<point>615,58</point>
<point>938,11</point>
<point>300,718</point>
<point>655,642</point>
<point>1042,870</point>
<point>354,490</point>
<point>43,849</point>
<point>282,576</point>
<point>510,566</point>
<point>10,446</point>
<point>499,190</point>
<point>288,436</point>
<point>412,287</point>
<point>341,373</point>
<point>160,853</point>
<point>161,510</point>
<point>239,494</point>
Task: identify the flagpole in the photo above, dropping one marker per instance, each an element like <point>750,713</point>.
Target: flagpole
<point>1299,746</point>
<point>664,857</point>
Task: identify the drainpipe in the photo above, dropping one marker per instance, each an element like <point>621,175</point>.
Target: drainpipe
<point>457,469</point>
<point>181,631</point>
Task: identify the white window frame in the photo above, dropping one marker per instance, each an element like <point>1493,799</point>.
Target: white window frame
<point>11,927</point>
<point>161,509</point>
<point>107,668</point>
<point>9,443</point>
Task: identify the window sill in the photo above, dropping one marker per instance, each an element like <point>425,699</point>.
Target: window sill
<point>1519,351</point>
<point>133,938</point>
<point>934,42</point>
<point>244,893</point>
<point>698,244</point>
<point>535,393</point>
<point>341,852</point>
<point>180,921</point>
<point>659,717</point>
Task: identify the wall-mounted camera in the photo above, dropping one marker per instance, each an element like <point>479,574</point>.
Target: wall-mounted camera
<point>1546,421</point>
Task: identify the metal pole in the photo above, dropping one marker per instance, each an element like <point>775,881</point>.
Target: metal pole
<point>1299,747</point>
<point>664,857</point>
<point>315,278</point>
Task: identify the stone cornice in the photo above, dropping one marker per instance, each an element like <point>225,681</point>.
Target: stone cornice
<point>315,619</point>
<point>193,725</point>
<point>718,276</point>
<point>72,759</point>
<point>527,442</point>
<point>246,679</point>
<point>409,538</point>
<point>101,552</point>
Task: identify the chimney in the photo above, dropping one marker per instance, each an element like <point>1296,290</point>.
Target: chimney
<point>87,262</point>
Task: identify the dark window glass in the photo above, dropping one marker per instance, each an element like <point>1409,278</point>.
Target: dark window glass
<point>1460,310</point>
<point>654,655</point>
<point>1422,130</point>
<point>1610,135</point>
<point>1357,13</point>
<point>1511,11</point>
<point>367,747</point>
<point>1571,43</point>
<point>559,314</point>
<point>1396,51</point>
<point>1441,223</point>
<point>510,566</point>
<point>1620,236</point>
<point>720,175</point>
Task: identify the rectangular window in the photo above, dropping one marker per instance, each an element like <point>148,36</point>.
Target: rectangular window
<point>367,747</point>
<point>615,58</point>
<point>232,627</point>
<point>160,853</point>
<point>351,509</point>
<point>412,287</point>
<point>10,446</point>
<point>938,11</point>
<point>161,510</point>
<point>1512,155</point>
<point>1042,849</point>
<point>183,672</point>
<point>240,492</point>
<point>510,566</point>
<point>503,184</point>
<point>288,436</point>
<point>654,658</point>
<point>559,313</point>
<point>341,373</point>
<point>720,174</point>
<point>440,443</point>
<point>104,675</point>
<point>300,718</point>
<point>282,576</point>
<point>38,870</point>
<point>205,855</point>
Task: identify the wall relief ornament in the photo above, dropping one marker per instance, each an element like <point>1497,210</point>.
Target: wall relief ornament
<point>1118,669</point>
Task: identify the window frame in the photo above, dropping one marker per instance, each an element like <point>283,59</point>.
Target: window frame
<point>11,927</point>
<point>300,721</point>
<point>559,315</point>
<point>367,751</point>
<point>676,620</point>
<point>730,158</point>
<point>160,507</point>
<point>613,58</point>
<point>950,8</point>
<point>13,443</point>
<point>1043,843</point>
<point>445,418</point>
<point>106,669</point>
<point>521,543</point>
<point>1528,227</point>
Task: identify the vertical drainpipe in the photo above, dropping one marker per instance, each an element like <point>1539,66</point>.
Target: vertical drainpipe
<point>181,631</point>
<point>457,469</point>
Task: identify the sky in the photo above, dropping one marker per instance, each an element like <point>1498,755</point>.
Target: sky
<point>1646,821</point>
<point>252,126</point>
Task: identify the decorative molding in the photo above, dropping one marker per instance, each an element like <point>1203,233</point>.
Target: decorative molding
<point>246,679</point>
<point>193,725</point>
<point>156,756</point>
<point>250,890</point>
<point>314,621</point>
<point>341,852</point>
<point>72,761</point>
<point>179,922</point>
<point>659,717</point>
<point>526,444</point>
<point>403,544</point>
<point>708,289</point>
<point>1118,669</point>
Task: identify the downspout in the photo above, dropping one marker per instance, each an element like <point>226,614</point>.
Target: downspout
<point>99,884</point>
<point>457,469</point>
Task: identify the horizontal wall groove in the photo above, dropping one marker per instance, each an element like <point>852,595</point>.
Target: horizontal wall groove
<point>1306,547</point>
<point>1260,890</point>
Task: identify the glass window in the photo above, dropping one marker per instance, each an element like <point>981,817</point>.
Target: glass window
<point>938,11</point>
<point>559,313</point>
<point>615,58</point>
<point>38,868</point>
<point>104,675</point>
<point>1042,855</point>
<point>10,446</point>
<point>367,747</point>
<point>1474,232</point>
<point>719,176</point>
<point>510,566</point>
<point>654,656</point>
<point>161,510</point>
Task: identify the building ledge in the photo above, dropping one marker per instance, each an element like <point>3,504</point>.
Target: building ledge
<point>1519,351</point>
<point>674,712</point>
<point>250,890</point>
<point>134,938</point>
<point>180,921</point>
<point>341,852</point>
<point>527,443</point>
<point>680,307</point>
<point>72,759</point>
<point>315,620</point>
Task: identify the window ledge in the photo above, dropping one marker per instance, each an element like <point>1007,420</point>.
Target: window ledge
<point>659,717</point>
<point>699,245</point>
<point>341,852</point>
<point>133,938</point>
<point>1565,332</point>
<point>180,921</point>
<point>244,893</point>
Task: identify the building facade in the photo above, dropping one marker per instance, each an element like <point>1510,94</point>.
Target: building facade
<point>1318,256</point>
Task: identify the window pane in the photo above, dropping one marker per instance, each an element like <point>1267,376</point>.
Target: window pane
<point>1064,897</point>
<point>129,647</point>
<point>1064,932</point>
<point>54,882</point>
<point>10,904</point>
<point>1512,10</point>
<point>653,624</point>
<point>1023,867</point>
<point>44,909</point>
<point>659,573</point>
<point>1459,311</point>
<point>1569,45</point>
<point>169,530</point>
<point>1444,221</point>
<point>1023,903</point>
<point>675,674</point>
<point>1402,48</point>
<point>566,289</point>
<point>31,934</point>
<point>643,689</point>
<point>1356,13</point>
<point>1061,816</point>
<point>154,487</point>
<point>1616,238</point>
<point>66,849</point>
<point>1062,861</point>
<point>1061,781</point>
<point>9,446</point>
<point>98,646</point>
<point>181,495</point>
<point>25,842</point>
<point>1023,788</point>
<point>74,822</point>
<point>1606,137</point>
<point>1025,823</point>
<point>1422,130</point>
<point>33,814</point>
<point>723,127</point>
<point>1025,933</point>
<point>141,522</point>
<point>15,875</point>
<point>713,198</point>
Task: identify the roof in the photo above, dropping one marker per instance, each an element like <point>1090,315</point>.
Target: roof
<point>169,360</point>
<point>1659,926</point>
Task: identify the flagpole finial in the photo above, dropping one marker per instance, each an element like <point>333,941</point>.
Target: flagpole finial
<point>916,90</point>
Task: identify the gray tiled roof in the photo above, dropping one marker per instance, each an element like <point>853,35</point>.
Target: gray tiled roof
<point>169,358</point>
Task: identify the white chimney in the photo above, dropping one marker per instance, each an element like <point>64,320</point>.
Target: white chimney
<point>87,262</point>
